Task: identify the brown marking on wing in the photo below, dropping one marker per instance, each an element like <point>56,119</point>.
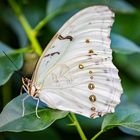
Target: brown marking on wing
<point>52,54</point>
<point>47,55</point>
<point>55,53</point>
<point>67,37</point>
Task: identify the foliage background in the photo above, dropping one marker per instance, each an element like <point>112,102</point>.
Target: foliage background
<point>127,24</point>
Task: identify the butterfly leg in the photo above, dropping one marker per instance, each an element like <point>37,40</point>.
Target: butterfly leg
<point>67,37</point>
<point>23,106</point>
<point>21,89</point>
<point>37,104</point>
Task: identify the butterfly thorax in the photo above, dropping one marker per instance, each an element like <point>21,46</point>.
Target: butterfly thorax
<point>29,87</point>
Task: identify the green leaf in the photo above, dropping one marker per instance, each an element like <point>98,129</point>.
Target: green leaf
<point>123,45</point>
<point>11,117</point>
<point>126,117</point>
<point>6,66</point>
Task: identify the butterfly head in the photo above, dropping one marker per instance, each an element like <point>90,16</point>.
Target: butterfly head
<point>29,87</point>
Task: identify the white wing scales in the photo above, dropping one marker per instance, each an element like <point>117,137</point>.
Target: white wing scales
<point>79,75</point>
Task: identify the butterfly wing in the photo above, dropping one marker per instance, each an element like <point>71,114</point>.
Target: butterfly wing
<point>78,75</point>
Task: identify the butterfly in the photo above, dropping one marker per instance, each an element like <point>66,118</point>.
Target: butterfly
<point>75,72</point>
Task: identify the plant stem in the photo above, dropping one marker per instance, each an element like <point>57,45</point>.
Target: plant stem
<point>23,50</point>
<point>97,135</point>
<point>77,125</point>
<point>29,31</point>
<point>45,20</point>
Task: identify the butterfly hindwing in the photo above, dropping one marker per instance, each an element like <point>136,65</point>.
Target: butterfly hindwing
<point>75,72</point>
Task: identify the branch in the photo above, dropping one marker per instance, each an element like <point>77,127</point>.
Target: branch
<point>77,125</point>
<point>44,21</point>
<point>29,31</point>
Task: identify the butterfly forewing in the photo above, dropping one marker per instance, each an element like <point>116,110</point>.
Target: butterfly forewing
<point>75,72</point>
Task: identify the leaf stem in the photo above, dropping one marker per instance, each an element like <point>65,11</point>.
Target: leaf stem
<point>77,125</point>
<point>23,50</point>
<point>97,135</point>
<point>29,31</point>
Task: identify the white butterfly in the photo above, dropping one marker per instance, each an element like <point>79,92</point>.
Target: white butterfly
<point>75,72</point>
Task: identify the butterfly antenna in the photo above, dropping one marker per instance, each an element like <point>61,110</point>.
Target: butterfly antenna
<point>13,64</point>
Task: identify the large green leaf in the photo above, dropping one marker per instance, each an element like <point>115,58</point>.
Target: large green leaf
<point>126,117</point>
<point>123,45</point>
<point>6,66</point>
<point>11,117</point>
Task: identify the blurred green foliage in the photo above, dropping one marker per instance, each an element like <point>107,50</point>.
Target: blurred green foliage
<point>51,14</point>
